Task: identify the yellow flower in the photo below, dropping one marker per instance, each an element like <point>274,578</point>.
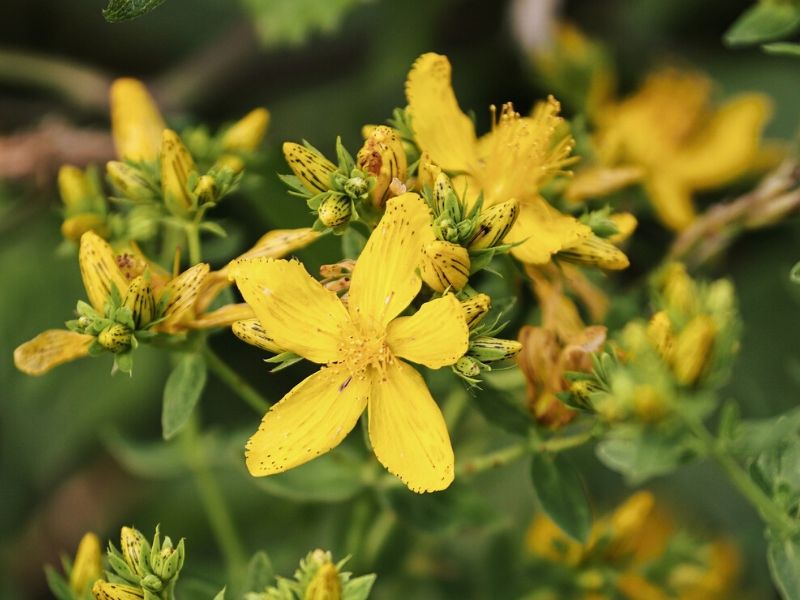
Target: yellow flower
<point>361,346</point>
<point>511,162</point>
<point>105,275</point>
<point>136,123</point>
<point>682,144</point>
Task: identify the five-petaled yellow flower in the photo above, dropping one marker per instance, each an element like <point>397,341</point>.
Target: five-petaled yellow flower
<point>361,346</point>
<point>512,161</point>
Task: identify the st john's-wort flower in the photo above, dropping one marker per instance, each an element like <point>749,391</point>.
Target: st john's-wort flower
<point>362,347</point>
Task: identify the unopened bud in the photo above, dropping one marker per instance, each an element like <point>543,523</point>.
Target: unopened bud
<point>176,166</point>
<point>444,265</point>
<point>252,332</point>
<point>383,157</point>
<point>445,202</point>
<point>103,590</point>
<point>325,585</point>
<point>335,211</point>
<point>230,162</point>
<point>73,187</point>
<point>625,223</point>
<point>246,134</point>
<point>311,168</point>
<point>152,583</point>
<point>649,403</point>
<point>680,292</point>
<point>467,367</point>
<point>88,566</point>
<point>596,252</point>
<point>74,227</point>
<point>475,309</point>
<point>693,349</point>
<point>139,299</point>
<point>132,544</point>
<point>427,172</point>
<point>136,123</point>
<point>659,331</point>
<point>115,338</point>
<point>169,561</point>
<point>129,181</point>
<point>489,349</point>
<point>206,190</point>
<point>492,225</point>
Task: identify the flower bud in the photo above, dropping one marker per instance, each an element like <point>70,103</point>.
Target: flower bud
<point>129,181</point>
<point>468,367</point>
<point>152,583</point>
<point>136,123</point>
<point>311,168</point>
<point>680,292</point>
<point>169,561</point>
<point>659,331</point>
<point>596,252</point>
<point>231,162</point>
<point>625,223</point>
<point>139,299</point>
<point>74,227</point>
<point>133,544</point>
<point>88,565</point>
<point>475,309</point>
<point>73,187</point>
<point>383,157</point>
<point>325,585</point>
<point>252,332</point>
<point>206,190</point>
<point>335,211</point>
<point>492,225</point>
<point>176,166</point>
<point>444,265</point>
<point>103,590</point>
<point>693,349</point>
<point>246,134</point>
<point>115,338</point>
<point>649,403</point>
<point>427,172</point>
<point>356,187</point>
<point>445,202</point>
<point>489,349</point>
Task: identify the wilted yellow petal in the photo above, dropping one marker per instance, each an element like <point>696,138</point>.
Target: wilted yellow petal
<point>294,308</point>
<point>435,336</point>
<point>384,279</point>
<point>136,123</point>
<point>182,292</point>
<point>251,332</point>
<point>246,134</point>
<point>407,430</point>
<point>671,199</point>
<point>383,157</point>
<point>440,127</point>
<point>544,230</point>
<point>99,270</point>
<point>312,418</point>
<point>726,147</point>
<point>50,349</point>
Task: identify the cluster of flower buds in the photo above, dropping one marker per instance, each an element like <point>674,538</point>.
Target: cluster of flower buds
<point>685,349</point>
<point>467,237</point>
<point>485,352</point>
<point>353,189</point>
<point>141,569</point>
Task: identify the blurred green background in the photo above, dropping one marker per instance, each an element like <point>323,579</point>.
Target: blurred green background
<point>63,468</point>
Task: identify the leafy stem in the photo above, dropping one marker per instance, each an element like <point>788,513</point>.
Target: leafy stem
<point>235,382</point>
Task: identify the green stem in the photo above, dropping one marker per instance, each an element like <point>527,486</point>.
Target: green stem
<point>193,243</point>
<point>235,382</point>
<point>213,502</point>
<point>772,514</point>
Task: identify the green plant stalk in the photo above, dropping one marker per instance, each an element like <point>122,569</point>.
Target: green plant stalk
<point>193,242</point>
<point>772,514</point>
<point>214,503</point>
<point>235,382</point>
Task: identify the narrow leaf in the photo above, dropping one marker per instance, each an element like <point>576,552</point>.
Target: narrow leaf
<point>561,492</point>
<point>783,556</point>
<point>123,10</point>
<point>764,22</point>
<point>181,393</point>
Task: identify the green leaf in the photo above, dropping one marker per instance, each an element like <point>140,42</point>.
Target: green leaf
<point>358,588</point>
<point>764,22</point>
<point>57,584</point>
<point>783,556</point>
<point>795,273</point>
<point>220,595</point>
<point>562,494</point>
<point>499,408</point>
<point>258,577</point>
<point>333,477</point>
<point>353,242</point>
<point>754,437</point>
<point>123,10</point>
<point>453,509</point>
<point>291,23</point>
<point>785,49</point>
<point>181,393</point>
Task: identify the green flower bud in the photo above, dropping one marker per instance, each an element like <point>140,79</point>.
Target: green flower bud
<point>356,187</point>
<point>489,349</point>
<point>115,338</point>
<point>151,583</point>
<point>325,585</point>
<point>206,190</point>
<point>445,202</point>
<point>335,211</point>
<point>467,367</point>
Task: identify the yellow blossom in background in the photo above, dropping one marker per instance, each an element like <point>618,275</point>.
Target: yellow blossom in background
<point>136,123</point>
<point>361,346</point>
<point>88,564</point>
<point>511,162</point>
<point>681,141</point>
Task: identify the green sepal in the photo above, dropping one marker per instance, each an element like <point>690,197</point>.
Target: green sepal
<point>123,362</point>
<point>283,360</point>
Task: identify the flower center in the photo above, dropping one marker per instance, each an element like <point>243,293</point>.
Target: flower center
<point>361,348</point>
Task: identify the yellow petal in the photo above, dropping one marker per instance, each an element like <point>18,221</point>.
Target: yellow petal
<point>312,418</point>
<point>384,279</point>
<point>671,200</point>
<point>50,349</point>
<point>252,332</point>
<point>407,430</point>
<point>99,270</point>
<point>246,134</point>
<point>600,181</point>
<point>440,127</point>
<point>136,124</point>
<point>280,242</point>
<point>435,336</point>
<point>727,147</point>
<point>544,230</point>
<point>183,291</point>
<point>296,311</point>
